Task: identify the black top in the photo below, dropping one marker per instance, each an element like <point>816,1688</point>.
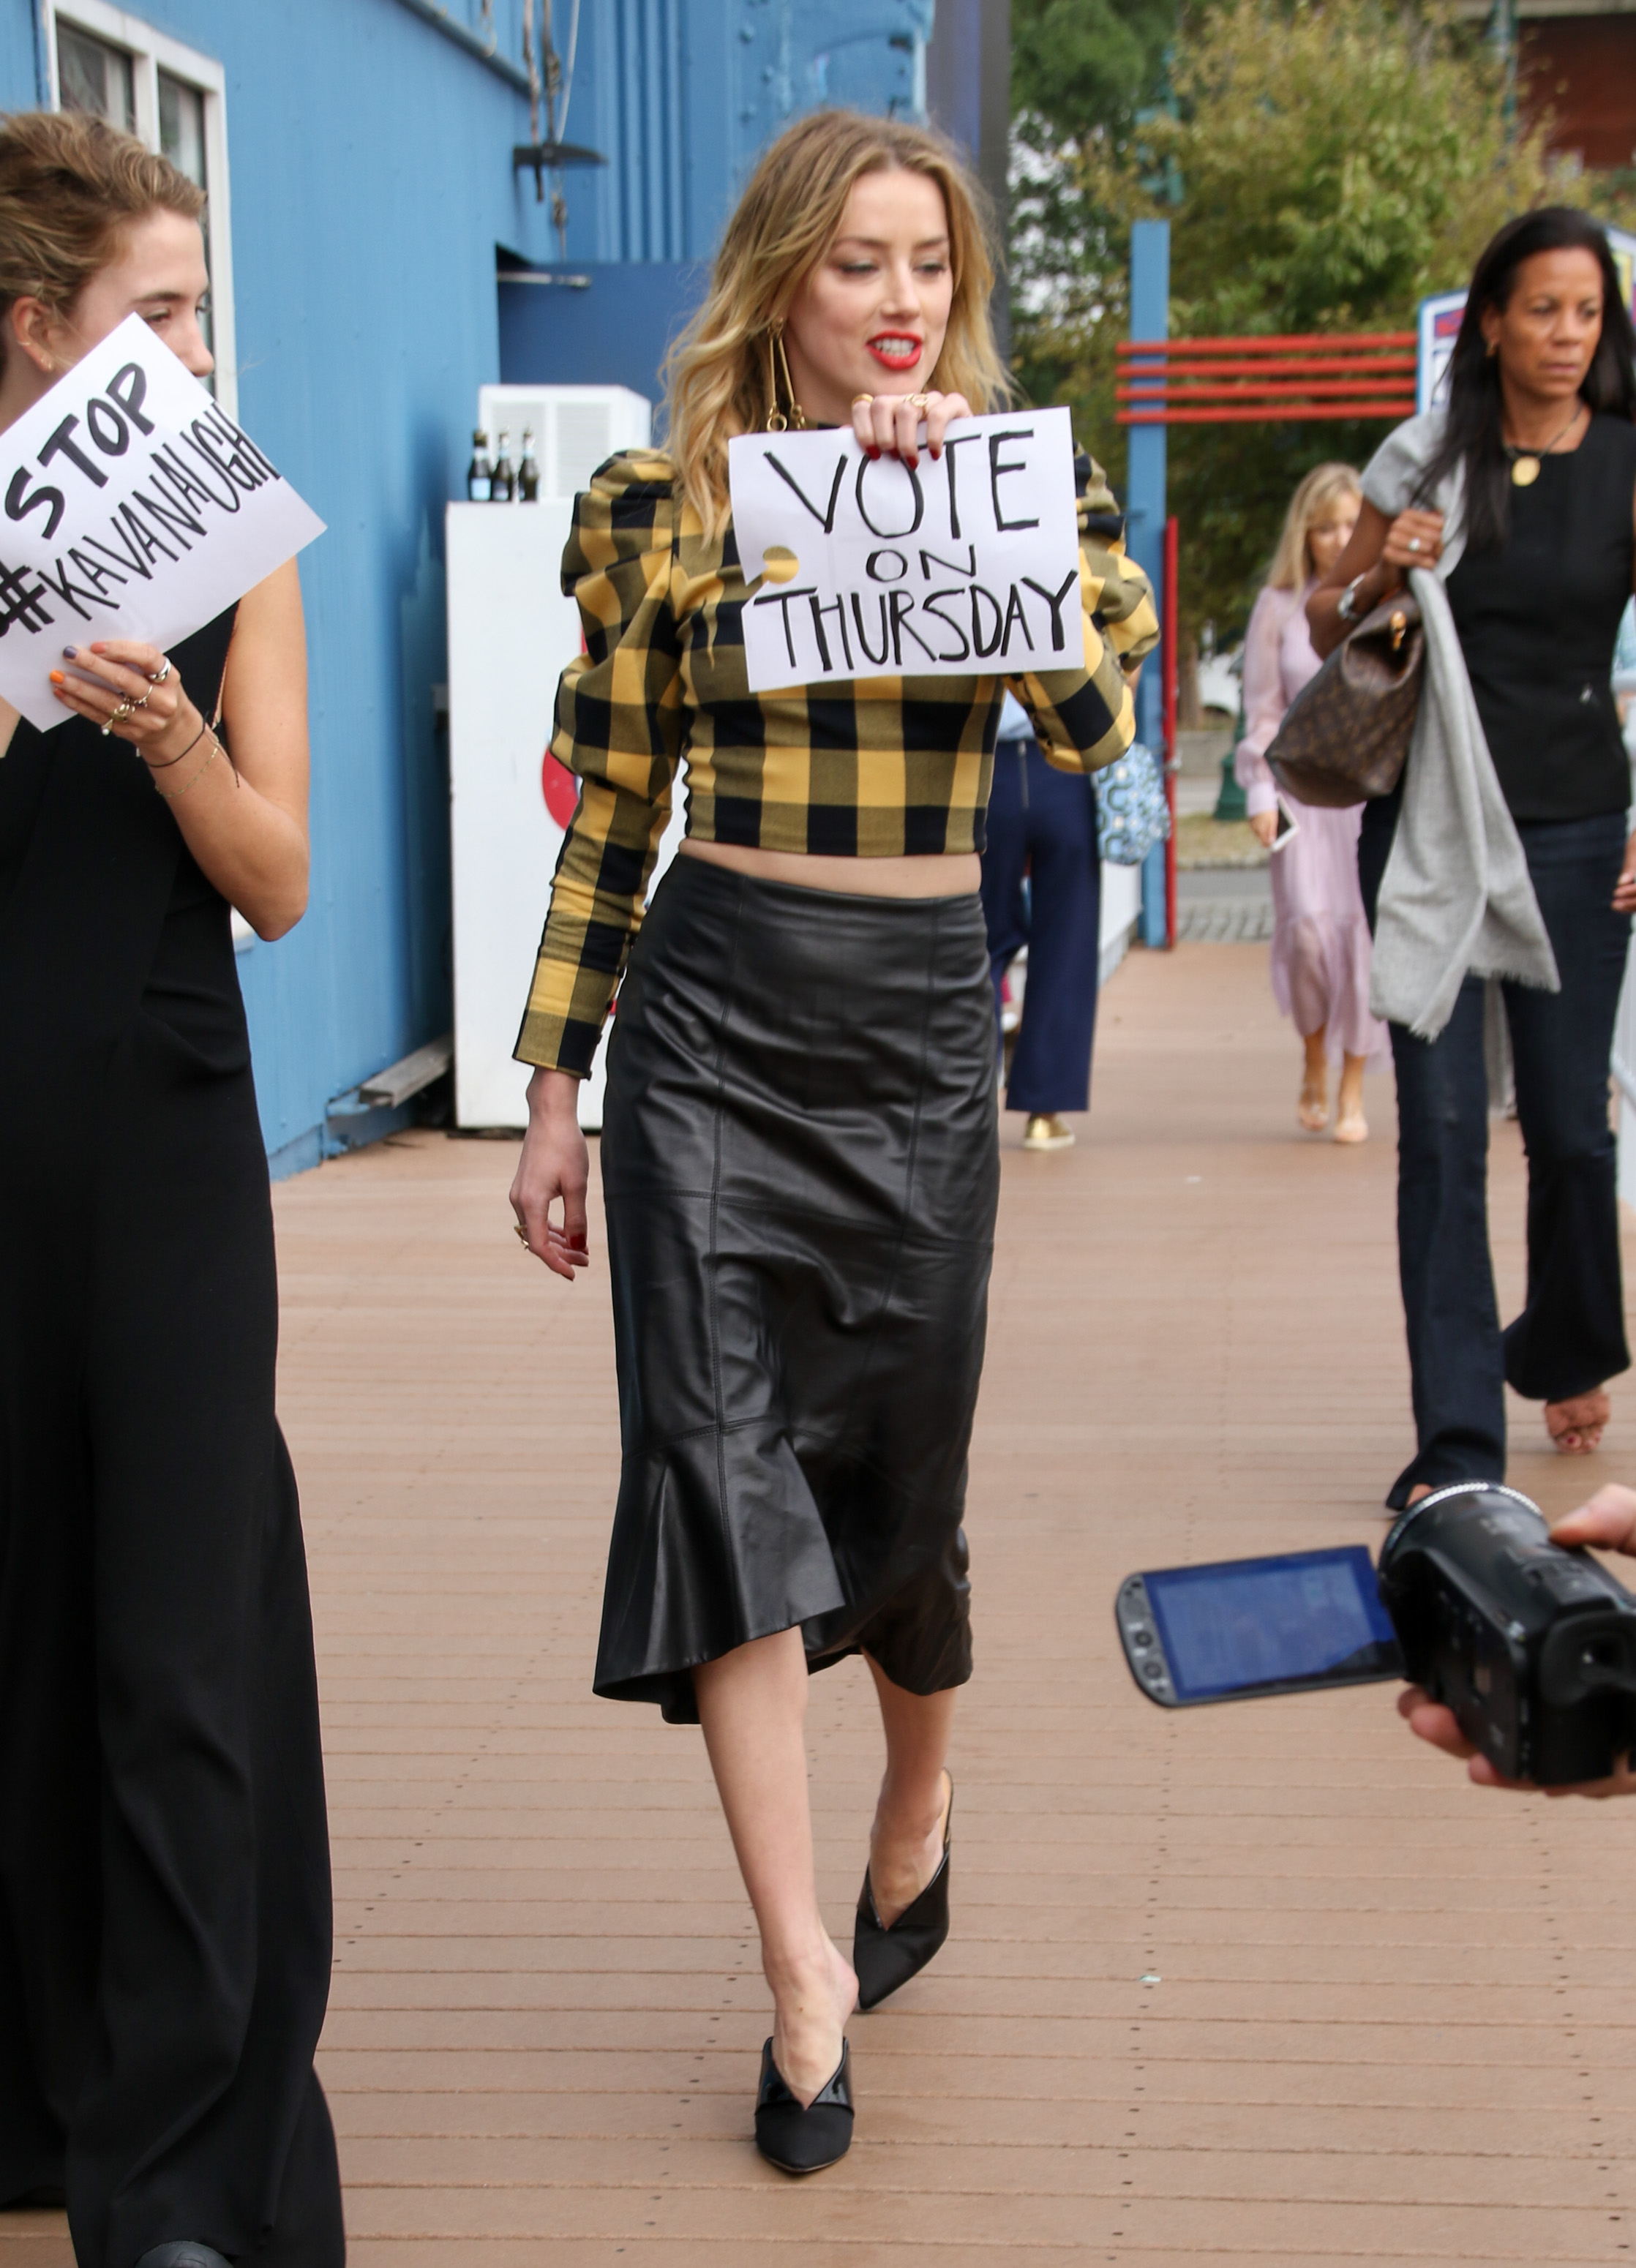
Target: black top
<point>1538,621</point>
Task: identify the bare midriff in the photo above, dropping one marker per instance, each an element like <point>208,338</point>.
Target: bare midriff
<point>956,874</point>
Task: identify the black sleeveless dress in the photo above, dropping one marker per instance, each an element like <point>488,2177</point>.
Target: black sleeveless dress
<point>164,1907</point>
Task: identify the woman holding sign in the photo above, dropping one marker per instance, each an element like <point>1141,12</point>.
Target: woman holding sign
<point>798,1153</point>
<point>165,1917</point>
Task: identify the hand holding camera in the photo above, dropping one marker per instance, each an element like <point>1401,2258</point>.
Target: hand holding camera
<point>1519,1648</point>
<point>1607,1522</point>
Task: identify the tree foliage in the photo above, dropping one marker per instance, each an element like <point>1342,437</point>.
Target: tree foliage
<point>1331,161</point>
<point>1076,64</point>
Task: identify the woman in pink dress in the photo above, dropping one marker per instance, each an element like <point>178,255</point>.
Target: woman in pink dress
<point>1319,936</point>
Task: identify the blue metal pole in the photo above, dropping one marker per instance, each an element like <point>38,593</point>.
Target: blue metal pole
<point>1144,509</point>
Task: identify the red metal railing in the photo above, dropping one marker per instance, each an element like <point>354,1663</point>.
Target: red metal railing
<point>1302,375</point>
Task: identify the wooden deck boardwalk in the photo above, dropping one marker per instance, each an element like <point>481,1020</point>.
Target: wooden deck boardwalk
<point>1265,1984</point>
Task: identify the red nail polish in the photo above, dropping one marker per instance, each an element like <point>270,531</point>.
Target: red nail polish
<point>874,455</point>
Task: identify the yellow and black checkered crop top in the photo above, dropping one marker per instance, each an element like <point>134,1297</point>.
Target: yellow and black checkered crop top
<point>872,768</point>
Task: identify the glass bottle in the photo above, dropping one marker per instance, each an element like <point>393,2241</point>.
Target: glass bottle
<point>528,472</point>
<point>503,481</point>
<point>479,474</point>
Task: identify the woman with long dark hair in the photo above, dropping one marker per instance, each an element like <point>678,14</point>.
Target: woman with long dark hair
<point>799,1151</point>
<point>164,1910</point>
<point>1521,499</point>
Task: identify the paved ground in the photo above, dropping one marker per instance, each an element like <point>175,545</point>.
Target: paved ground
<point>1224,905</point>
<point>1265,1984</point>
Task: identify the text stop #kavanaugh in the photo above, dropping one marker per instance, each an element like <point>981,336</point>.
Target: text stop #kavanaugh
<point>134,508</point>
<point>867,567</point>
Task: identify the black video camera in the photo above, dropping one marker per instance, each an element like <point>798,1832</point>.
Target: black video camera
<point>1532,1646</point>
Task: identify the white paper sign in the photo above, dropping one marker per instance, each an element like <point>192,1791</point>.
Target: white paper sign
<point>131,507</point>
<point>966,565</point>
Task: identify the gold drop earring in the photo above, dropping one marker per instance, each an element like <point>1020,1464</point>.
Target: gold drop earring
<point>777,421</point>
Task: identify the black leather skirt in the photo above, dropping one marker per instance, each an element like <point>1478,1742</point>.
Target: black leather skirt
<point>800,1169</point>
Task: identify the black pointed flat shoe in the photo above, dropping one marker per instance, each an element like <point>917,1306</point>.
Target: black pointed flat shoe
<point>800,2141</point>
<point>185,2254</point>
<point>885,1958</point>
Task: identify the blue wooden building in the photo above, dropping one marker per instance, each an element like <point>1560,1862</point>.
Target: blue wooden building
<point>368,217</point>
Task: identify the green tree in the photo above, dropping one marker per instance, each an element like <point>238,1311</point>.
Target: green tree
<point>1335,161</point>
<point>1078,65</point>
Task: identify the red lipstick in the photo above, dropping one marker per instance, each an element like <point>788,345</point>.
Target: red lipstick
<point>896,349</point>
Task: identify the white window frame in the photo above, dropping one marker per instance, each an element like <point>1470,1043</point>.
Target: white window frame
<point>150,53</point>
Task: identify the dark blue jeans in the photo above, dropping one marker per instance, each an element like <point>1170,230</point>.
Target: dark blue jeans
<point>1570,1336</point>
<point>1042,822</point>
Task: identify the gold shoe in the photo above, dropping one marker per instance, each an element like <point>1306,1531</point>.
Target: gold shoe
<point>1047,1131</point>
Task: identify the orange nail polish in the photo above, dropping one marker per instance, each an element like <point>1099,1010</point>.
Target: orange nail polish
<point>57,678</point>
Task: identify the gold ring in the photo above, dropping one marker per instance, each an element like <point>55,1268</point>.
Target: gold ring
<point>124,710</point>
<point>918,401</point>
<point>862,401</point>
<point>517,1230</point>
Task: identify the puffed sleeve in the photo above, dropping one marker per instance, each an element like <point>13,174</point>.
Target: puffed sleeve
<point>1085,718</point>
<point>1264,699</point>
<point>1118,596</point>
<point>619,727</point>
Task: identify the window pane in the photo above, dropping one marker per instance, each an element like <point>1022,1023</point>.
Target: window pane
<point>182,140</point>
<point>95,76</point>
<point>181,126</point>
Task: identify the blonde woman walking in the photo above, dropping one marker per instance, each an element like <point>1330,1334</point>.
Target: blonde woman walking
<point>798,1153</point>
<point>1321,935</point>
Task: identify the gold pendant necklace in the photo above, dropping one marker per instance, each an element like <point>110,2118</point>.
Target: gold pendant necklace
<point>1525,462</point>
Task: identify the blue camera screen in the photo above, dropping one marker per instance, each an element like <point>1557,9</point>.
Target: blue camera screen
<point>1247,1623</point>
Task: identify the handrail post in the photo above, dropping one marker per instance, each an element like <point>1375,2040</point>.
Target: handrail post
<point>1170,653</point>
<point>1144,508</point>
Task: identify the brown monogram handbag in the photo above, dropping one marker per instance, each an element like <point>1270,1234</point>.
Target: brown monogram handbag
<point>1344,738</point>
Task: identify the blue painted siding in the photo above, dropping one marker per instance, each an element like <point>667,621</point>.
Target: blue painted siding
<point>732,74</point>
<point>606,333</point>
<point>372,182</point>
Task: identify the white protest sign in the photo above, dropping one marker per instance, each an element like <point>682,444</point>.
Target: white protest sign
<point>968,565</point>
<point>131,507</point>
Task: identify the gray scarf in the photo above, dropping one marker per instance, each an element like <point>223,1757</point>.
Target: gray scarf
<point>1455,899</point>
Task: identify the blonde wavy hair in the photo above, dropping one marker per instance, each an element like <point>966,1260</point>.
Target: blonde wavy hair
<point>718,376</point>
<point>70,186</point>
<point>1308,508</point>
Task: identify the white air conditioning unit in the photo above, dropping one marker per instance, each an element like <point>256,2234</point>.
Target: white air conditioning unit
<point>575,428</point>
<point>511,634</point>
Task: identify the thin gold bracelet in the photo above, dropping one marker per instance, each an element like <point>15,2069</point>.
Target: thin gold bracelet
<point>172,794</point>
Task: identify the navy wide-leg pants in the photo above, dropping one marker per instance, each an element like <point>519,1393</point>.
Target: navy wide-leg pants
<point>1042,823</point>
